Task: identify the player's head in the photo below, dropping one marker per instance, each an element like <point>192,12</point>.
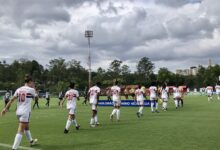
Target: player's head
<point>153,83</point>
<point>164,86</point>
<point>72,85</point>
<point>98,83</point>
<point>116,82</point>
<point>139,86</point>
<point>28,80</point>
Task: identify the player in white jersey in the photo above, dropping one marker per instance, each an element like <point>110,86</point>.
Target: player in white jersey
<point>23,95</point>
<point>217,90</point>
<point>71,96</point>
<point>139,96</point>
<point>153,97</point>
<point>116,98</point>
<point>164,96</point>
<point>176,97</point>
<point>93,93</point>
<point>209,92</point>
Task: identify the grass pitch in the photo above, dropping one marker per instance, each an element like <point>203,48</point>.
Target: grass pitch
<point>196,126</point>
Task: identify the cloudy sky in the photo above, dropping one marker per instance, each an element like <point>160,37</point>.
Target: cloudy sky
<point>172,33</point>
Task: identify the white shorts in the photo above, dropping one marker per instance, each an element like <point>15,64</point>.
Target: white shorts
<point>72,111</point>
<point>153,98</point>
<point>94,106</point>
<point>165,99</point>
<point>140,102</point>
<point>24,118</point>
<point>117,103</point>
<point>209,94</point>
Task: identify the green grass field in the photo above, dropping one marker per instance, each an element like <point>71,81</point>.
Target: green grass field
<point>196,126</point>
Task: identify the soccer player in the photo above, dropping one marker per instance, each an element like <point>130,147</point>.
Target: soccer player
<point>36,98</point>
<point>71,96</point>
<point>93,93</point>
<point>209,92</point>
<point>60,96</point>
<point>153,97</point>
<point>48,99</point>
<point>7,98</point>
<point>23,95</point>
<point>176,97</point>
<point>115,90</point>
<point>217,89</point>
<point>164,96</point>
<point>139,96</point>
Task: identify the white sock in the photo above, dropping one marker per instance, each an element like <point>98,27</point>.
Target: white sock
<point>92,121</point>
<point>114,111</point>
<point>141,110</point>
<point>156,105</point>
<point>68,123</point>
<point>152,105</point>
<point>75,123</point>
<point>165,105</point>
<point>118,114</point>
<point>176,103</point>
<point>218,98</point>
<point>28,135</point>
<point>208,99</point>
<point>17,141</point>
<point>96,118</point>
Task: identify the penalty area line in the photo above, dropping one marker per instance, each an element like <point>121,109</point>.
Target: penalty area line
<point>20,147</point>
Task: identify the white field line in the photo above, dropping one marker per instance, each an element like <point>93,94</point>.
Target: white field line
<point>20,147</point>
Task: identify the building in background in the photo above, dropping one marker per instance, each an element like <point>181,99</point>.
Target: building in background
<point>186,72</point>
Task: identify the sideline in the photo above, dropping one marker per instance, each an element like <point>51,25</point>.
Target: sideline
<point>20,147</point>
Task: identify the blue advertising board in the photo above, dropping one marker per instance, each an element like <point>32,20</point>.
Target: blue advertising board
<point>126,103</point>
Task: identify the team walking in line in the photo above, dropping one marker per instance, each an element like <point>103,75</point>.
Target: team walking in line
<point>25,94</point>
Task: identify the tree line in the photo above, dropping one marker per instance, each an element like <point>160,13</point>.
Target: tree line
<point>56,75</point>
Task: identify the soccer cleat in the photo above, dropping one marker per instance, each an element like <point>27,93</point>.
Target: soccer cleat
<point>138,114</point>
<point>97,123</point>
<point>77,127</point>
<point>92,126</point>
<point>33,142</point>
<point>156,111</point>
<point>111,117</point>
<point>66,131</point>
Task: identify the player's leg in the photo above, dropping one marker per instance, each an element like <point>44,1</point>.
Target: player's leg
<point>176,103</point>
<point>156,106</point>
<point>92,121</point>
<point>152,105</point>
<point>27,132</point>
<point>96,117</point>
<point>114,110</point>
<point>118,112</point>
<point>69,121</point>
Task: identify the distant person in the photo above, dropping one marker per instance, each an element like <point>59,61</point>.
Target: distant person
<point>126,93</point>
<point>60,96</point>
<point>23,95</point>
<point>164,96</point>
<point>176,97</point>
<point>71,96</point>
<point>7,98</point>
<point>116,98</point>
<point>94,93</point>
<point>209,92</point>
<point>85,94</point>
<point>153,97</point>
<point>47,99</point>
<point>36,98</point>
<point>217,90</point>
<point>108,94</point>
<point>139,96</point>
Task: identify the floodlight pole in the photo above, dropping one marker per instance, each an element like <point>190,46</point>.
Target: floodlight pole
<point>88,35</point>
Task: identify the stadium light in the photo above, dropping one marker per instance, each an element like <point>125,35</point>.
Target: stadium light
<point>88,35</point>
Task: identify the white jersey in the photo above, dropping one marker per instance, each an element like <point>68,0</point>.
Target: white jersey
<point>176,93</point>
<point>115,92</point>
<point>93,93</point>
<point>71,96</point>
<point>217,89</point>
<point>164,93</point>
<point>139,94</point>
<point>24,96</point>
<point>153,91</point>
<point>209,89</point>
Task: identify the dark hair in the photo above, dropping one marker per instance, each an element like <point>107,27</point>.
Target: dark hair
<point>164,86</point>
<point>72,85</point>
<point>139,86</point>
<point>27,78</point>
<point>98,83</point>
<point>116,82</point>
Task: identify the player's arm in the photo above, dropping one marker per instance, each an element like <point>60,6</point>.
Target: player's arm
<point>8,105</point>
<point>77,96</point>
<point>62,102</point>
